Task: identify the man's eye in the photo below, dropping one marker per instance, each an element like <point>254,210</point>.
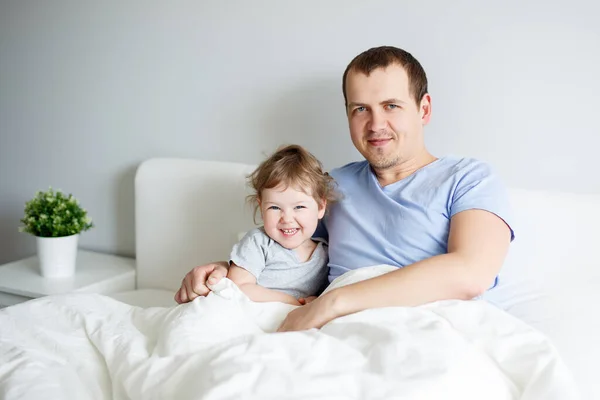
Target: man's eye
<point>391,106</point>
<point>360,109</point>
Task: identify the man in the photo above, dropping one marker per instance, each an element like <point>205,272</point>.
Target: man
<point>443,222</point>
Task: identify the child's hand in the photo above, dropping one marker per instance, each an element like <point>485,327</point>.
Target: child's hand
<point>305,300</point>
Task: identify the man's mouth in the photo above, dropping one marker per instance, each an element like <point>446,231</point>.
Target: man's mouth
<point>289,232</point>
<point>379,142</point>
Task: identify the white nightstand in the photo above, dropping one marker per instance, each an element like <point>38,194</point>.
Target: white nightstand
<point>95,273</point>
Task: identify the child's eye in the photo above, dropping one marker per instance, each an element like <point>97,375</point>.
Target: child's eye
<point>273,208</point>
<point>299,207</point>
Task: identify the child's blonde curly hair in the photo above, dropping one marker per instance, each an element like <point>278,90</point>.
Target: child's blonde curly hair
<point>292,165</point>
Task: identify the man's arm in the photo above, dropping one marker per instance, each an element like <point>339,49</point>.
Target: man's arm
<point>477,245</point>
<point>247,283</point>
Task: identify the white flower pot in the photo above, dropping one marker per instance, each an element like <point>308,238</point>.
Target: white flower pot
<point>57,255</point>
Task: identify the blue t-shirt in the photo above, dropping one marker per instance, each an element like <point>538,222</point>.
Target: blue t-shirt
<point>406,221</point>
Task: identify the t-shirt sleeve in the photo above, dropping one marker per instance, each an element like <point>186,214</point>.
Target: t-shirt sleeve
<point>250,252</point>
<point>479,188</point>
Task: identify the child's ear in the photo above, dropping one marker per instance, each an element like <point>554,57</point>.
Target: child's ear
<point>322,208</point>
<point>259,209</point>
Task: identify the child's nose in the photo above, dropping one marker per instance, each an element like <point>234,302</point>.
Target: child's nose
<point>287,216</point>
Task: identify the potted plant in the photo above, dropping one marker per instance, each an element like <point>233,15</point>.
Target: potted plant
<point>56,220</point>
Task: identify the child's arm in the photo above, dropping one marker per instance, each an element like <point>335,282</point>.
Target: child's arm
<point>247,283</point>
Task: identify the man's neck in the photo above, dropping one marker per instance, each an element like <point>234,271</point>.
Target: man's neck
<point>406,168</point>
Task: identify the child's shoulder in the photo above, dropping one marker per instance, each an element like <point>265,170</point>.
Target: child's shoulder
<point>257,237</point>
<point>254,234</point>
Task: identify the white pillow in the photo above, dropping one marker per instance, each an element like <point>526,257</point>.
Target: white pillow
<point>551,278</point>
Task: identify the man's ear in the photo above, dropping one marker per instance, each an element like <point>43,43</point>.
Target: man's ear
<point>425,109</point>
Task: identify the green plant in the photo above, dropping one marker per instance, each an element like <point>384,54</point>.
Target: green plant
<point>54,214</point>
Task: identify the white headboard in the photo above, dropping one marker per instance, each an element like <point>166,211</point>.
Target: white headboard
<point>187,212</point>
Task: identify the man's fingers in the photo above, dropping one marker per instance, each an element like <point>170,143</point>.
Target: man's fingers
<point>215,276</point>
<point>198,288</point>
<point>189,292</point>
<point>182,295</point>
<point>177,296</point>
<point>195,282</point>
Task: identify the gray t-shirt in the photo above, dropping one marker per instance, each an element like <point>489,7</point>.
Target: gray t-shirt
<point>278,268</point>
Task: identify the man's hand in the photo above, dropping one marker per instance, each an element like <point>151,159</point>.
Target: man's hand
<point>314,314</point>
<point>194,283</point>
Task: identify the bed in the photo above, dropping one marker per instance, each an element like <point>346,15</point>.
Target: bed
<point>535,336</point>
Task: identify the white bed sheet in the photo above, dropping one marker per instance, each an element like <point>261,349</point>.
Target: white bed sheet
<point>220,347</point>
<point>147,298</point>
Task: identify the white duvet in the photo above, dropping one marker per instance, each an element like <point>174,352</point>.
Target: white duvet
<point>222,347</point>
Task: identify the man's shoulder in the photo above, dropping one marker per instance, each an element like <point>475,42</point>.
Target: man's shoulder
<point>460,163</point>
<point>465,166</point>
<point>349,170</point>
<point>451,163</point>
<point>446,168</point>
<point>448,174</point>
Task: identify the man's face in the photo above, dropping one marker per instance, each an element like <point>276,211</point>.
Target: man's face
<point>386,125</point>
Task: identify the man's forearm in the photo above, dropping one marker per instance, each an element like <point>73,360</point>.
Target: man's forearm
<point>261,294</point>
<point>477,245</point>
<point>442,277</point>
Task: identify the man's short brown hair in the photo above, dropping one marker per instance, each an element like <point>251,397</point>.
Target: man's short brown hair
<point>384,56</point>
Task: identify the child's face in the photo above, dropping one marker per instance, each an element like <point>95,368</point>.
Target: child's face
<point>290,216</point>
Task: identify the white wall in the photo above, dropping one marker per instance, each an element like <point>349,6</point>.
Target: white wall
<point>89,89</point>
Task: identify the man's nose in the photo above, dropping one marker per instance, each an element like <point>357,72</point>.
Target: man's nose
<point>378,121</point>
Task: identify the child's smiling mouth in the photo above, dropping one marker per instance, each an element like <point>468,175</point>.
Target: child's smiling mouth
<point>289,232</point>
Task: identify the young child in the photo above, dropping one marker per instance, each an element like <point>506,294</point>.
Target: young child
<point>279,261</point>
